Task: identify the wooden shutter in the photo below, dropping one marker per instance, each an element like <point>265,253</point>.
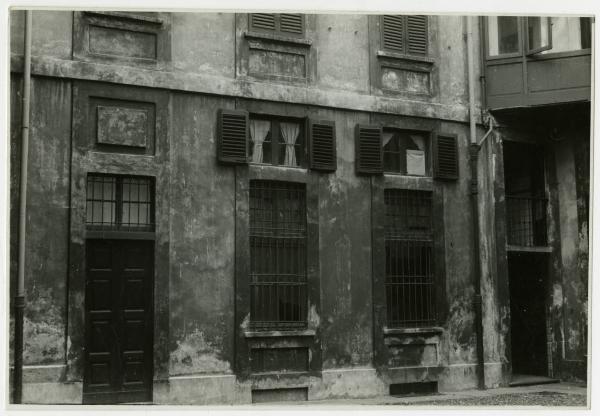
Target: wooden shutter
<point>445,153</point>
<point>417,35</point>
<point>291,23</point>
<point>369,152</point>
<point>393,32</point>
<point>321,145</point>
<point>232,136</point>
<point>262,21</point>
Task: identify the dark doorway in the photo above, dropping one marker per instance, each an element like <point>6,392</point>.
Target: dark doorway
<point>528,287</point>
<point>118,321</point>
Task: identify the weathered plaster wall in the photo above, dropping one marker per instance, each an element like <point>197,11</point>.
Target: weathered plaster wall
<point>574,278</point>
<point>204,43</point>
<point>345,252</point>
<point>343,52</point>
<point>202,241</point>
<point>458,257</point>
<point>47,218</point>
<point>52,33</point>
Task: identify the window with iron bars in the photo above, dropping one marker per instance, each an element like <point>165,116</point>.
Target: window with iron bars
<point>123,203</point>
<point>278,293</point>
<point>409,272</point>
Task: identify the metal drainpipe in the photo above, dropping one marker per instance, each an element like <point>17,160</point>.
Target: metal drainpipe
<point>474,153</point>
<point>19,301</point>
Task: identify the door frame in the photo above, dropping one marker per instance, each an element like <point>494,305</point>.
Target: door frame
<point>107,397</point>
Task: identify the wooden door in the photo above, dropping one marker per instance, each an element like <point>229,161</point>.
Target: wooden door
<point>118,321</point>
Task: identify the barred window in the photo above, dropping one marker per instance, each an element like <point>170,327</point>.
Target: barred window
<point>119,203</point>
<point>278,297</point>
<point>409,276</point>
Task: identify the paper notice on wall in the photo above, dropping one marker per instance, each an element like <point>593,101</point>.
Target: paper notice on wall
<point>415,162</point>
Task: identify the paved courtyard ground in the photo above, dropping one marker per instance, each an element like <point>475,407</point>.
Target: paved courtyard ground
<point>546,395</point>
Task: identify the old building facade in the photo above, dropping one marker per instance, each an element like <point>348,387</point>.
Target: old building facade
<point>235,208</point>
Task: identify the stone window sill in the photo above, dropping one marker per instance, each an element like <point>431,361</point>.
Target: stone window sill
<point>413,331</point>
<point>274,334</point>
<point>404,57</point>
<point>127,16</point>
<point>278,38</point>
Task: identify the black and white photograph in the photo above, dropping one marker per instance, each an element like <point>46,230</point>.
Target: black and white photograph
<point>282,207</point>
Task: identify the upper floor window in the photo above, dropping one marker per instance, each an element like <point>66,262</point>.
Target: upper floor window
<point>512,35</point>
<point>406,152</point>
<point>405,34</point>
<point>277,141</point>
<point>285,24</point>
<point>119,203</point>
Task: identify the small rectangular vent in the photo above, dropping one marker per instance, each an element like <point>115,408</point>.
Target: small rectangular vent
<point>369,154</point>
<point>446,157</point>
<point>322,146</point>
<point>291,23</point>
<point>296,394</point>
<point>232,140</point>
<point>262,21</point>
<point>422,388</point>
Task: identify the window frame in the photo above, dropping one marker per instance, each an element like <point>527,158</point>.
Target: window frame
<point>405,38</point>
<point>422,238</point>
<point>428,155</point>
<point>277,23</point>
<point>278,190</point>
<point>530,52</point>
<point>118,225</point>
<point>517,54</point>
<point>275,145</point>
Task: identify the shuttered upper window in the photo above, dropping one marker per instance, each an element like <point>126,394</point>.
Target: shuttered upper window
<point>285,24</point>
<point>404,34</point>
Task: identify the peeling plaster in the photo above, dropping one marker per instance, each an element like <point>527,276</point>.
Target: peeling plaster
<point>194,354</point>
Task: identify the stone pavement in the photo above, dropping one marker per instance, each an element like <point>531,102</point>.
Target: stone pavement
<point>559,394</point>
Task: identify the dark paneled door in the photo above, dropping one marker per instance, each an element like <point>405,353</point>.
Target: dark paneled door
<point>118,321</point>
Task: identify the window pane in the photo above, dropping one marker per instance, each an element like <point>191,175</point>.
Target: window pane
<point>406,152</point>
<point>136,203</point>
<point>538,29</point>
<point>567,34</point>
<point>101,201</point>
<point>503,35</point>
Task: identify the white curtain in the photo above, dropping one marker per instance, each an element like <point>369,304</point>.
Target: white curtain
<point>386,137</point>
<point>258,132</point>
<point>415,159</point>
<point>289,132</point>
<point>419,141</point>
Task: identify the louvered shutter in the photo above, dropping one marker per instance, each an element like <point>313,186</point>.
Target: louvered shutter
<point>321,145</point>
<point>417,35</point>
<point>445,157</point>
<point>393,32</point>
<point>232,136</point>
<point>262,21</point>
<point>369,152</point>
<point>291,23</point>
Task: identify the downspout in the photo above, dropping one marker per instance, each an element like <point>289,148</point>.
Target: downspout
<point>474,153</point>
<point>19,300</point>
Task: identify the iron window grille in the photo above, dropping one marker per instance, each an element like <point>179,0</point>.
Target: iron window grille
<point>123,203</point>
<point>409,275</point>
<point>526,221</point>
<point>278,293</point>
<point>274,145</point>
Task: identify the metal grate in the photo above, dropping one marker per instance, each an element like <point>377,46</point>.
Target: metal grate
<point>277,255</point>
<point>119,203</point>
<point>526,221</point>
<point>409,277</point>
